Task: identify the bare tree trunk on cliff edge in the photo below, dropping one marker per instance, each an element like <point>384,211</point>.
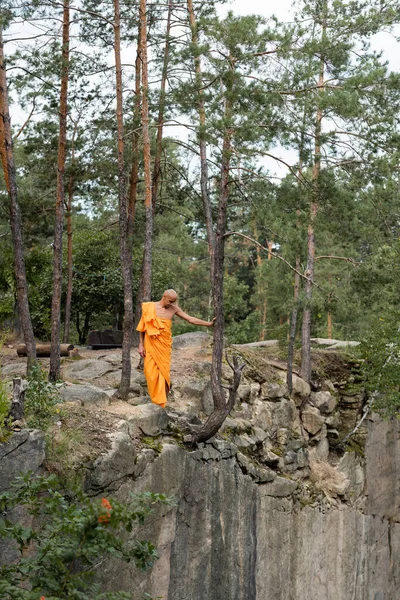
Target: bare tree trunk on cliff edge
<point>202,142</point>
<point>221,407</point>
<point>15,217</point>
<point>125,250</point>
<point>54,372</point>
<point>306,328</point>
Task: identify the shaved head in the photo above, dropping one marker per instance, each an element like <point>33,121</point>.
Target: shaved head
<point>171,295</point>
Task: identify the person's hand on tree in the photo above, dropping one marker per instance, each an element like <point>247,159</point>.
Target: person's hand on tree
<point>211,323</point>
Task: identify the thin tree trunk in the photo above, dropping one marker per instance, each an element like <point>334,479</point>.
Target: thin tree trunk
<point>125,250</point>
<point>305,370</point>
<point>148,238</point>
<point>54,372</point>
<point>202,141</point>
<point>68,301</point>
<point>161,110</point>
<point>293,325</point>
<point>135,173</point>
<point>15,217</point>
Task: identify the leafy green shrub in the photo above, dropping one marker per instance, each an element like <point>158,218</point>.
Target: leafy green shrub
<point>70,537</point>
<point>5,432</point>
<point>41,398</point>
<point>381,367</point>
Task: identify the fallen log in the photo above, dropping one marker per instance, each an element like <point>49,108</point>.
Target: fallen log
<point>44,349</point>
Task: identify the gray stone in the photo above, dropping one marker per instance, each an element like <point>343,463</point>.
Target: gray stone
<point>84,394</point>
<point>117,463</point>
<point>351,465</point>
<point>260,434</point>
<point>279,488</point>
<point>226,449</point>
<point>210,453</point>
<point>312,419</point>
<point>90,368</point>
<point>244,392</point>
<point>114,359</point>
<point>148,419</point>
<point>270,458</point>
<point>13,370</point>
<point>324,401</point>
<point>146,457</point>
<point>254,391</point>
<point>301,389</point>
<point>230,425</point>
<point>273,391</point>
<point>246,465</point>
<point>139,378</point>
<point>202,367</point>
<point>194,388</point>
<point>196,339</point>
<point>24,451</point>
<point>139,400</point>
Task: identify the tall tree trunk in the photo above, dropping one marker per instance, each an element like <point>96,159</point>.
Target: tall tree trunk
<point>68,300</point>
<point>135,171</point>
<point>293,326</point>
<point>306,327</point>
<point>221,406</point>
<point>15,216</point>
<point>148,238</point>
<point>54,372</point>
<point>161,110</point>
<point>125,250</point>
<point>135,146</point>
<point>202,141</point>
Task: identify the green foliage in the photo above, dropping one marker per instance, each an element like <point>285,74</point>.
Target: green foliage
<point>41,398</point>
<point>71,536</point>
<point>381,353</point>
<point>5,431</point>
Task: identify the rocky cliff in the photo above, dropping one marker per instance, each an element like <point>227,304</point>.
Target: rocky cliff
<point>272,508</point>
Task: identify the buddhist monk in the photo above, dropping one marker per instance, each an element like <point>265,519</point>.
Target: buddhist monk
<point>155,342</point>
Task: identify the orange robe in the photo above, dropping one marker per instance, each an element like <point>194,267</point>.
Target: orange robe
<point>157,344</point>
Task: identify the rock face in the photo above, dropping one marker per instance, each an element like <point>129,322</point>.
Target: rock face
<point>228,537</point>
<point>270,509</point>
<point>84,394</point>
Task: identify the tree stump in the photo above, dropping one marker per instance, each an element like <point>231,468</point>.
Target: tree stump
<point>17,407</point>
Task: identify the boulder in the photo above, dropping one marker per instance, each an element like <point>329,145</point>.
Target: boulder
<point>87,369</point>
<point>13,370</point>
<point>311,419</point>
<point>24,451</point>
<point>351,465</point>
<point>116,464</point>
<point>195,339</point>
<point>327,478</point>
<point>84,394</point>
<point>273,391</point>
<point>324,401</point>
<point>147,419</point>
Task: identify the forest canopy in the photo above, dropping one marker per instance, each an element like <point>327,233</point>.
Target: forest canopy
<point>227,95</point>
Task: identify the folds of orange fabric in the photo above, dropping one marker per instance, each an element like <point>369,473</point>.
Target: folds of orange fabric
<point>157,344</point>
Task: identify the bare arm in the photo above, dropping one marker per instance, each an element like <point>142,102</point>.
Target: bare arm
<point>193,320</point>
<point>141,349</point>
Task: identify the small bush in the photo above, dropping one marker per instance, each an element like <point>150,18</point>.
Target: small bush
<point>5,421</point>
<point>41,398</point>
<point>72,534</point>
